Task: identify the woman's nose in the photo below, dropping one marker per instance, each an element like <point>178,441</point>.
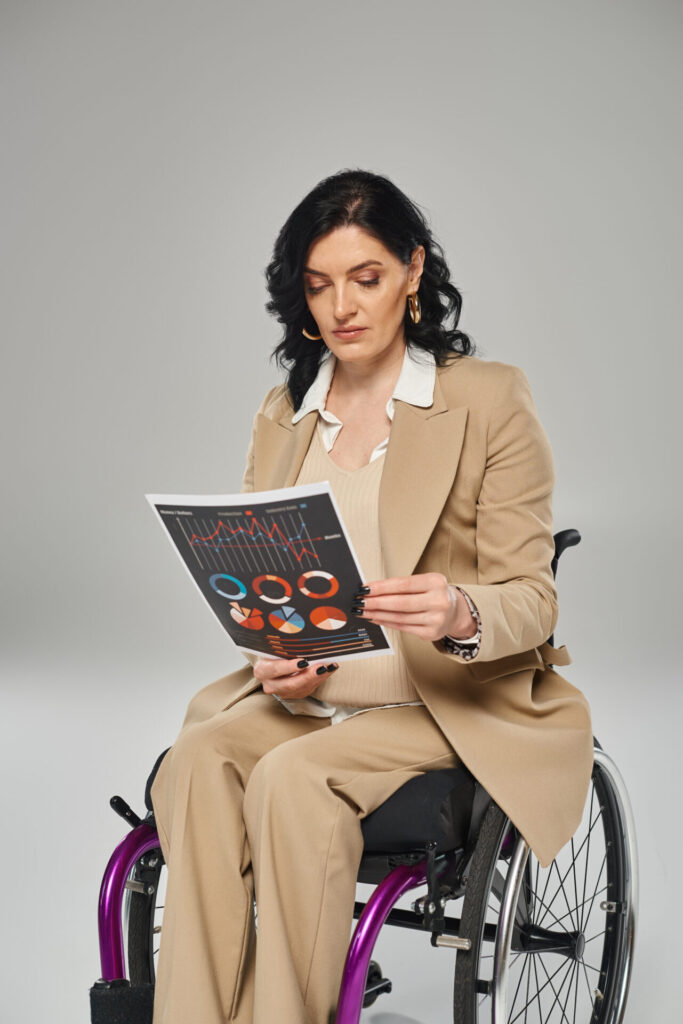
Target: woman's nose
<point>344,306</point>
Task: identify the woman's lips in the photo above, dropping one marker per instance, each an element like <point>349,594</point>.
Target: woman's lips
<point>349,334</point>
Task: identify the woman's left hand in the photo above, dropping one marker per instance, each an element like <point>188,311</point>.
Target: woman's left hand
<point>425,604</point>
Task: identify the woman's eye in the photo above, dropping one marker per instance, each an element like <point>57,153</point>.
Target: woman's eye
<point>369,283</point>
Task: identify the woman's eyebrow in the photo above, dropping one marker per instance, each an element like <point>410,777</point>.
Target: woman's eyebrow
<point>351,270</point>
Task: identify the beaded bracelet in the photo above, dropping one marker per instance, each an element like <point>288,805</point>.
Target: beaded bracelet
<point>466,648</point>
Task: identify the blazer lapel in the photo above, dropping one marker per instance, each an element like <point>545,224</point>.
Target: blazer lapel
<point>419,468</point>
<point>280,448</point>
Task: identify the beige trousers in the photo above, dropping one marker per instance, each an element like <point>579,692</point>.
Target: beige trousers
<point>255,800</point>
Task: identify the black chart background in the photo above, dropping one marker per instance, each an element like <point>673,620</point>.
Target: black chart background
<point>306,534</point>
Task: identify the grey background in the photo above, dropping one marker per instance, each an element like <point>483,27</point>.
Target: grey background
<point>150,154</point>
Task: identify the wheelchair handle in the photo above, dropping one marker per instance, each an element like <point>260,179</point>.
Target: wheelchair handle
<point>563,540</point>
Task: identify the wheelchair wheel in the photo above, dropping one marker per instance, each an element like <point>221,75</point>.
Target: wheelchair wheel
<point>551,943</point>
<point>143,910</point>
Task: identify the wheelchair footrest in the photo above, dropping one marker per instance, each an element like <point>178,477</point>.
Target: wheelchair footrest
<point>118,1002</point>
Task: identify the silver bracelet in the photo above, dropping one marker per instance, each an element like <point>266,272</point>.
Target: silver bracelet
<point>468,648</point>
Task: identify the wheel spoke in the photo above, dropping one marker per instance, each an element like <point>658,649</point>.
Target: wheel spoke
<point>545,984</point>
<point>593,937</point>
<point>576,891</point>
<point>585,840</point>
<point>585,870</point>
<point>602,868</point>
<point>521,977</point>
<point>569,992</point>
<point>538,993</point>
<point>577,975</point>
<point>588,984</point>
<point>588,899</point>
<point>557,993</point>
<point>557,920</point>
<point>588,851</point>
<point>542,899</point>
<point>566,901</point>
<point>557,892</point>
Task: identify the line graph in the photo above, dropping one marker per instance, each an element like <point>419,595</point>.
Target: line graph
<point>244,542</point>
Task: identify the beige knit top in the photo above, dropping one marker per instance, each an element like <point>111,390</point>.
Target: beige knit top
<point>384,679</point>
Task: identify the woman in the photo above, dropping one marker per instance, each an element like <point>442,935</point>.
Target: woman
<point>444,477</point>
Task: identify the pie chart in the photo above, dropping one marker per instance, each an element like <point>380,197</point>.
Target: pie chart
<point>328,617</point>
<point>286,619</point>
<point>250,618</point>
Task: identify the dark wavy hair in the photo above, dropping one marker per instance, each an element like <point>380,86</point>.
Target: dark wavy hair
<point>374,203</point>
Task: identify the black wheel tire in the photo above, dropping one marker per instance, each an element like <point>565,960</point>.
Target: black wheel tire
<point>141,918</point>
<point>479,880</point>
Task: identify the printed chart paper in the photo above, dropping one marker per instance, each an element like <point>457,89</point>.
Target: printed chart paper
<point>277,568</point>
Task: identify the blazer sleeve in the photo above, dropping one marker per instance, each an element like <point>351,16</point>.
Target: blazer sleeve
<point>248,475</point>
<point>515,592</point>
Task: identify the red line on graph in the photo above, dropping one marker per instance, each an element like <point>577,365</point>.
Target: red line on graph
<point>250,532</point>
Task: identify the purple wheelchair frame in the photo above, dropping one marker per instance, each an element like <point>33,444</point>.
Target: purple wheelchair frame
<point>144,838</point>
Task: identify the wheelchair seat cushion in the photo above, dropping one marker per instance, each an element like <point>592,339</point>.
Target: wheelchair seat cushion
<point>436,805</point>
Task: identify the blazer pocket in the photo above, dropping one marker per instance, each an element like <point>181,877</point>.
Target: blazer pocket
<point>484,671</point>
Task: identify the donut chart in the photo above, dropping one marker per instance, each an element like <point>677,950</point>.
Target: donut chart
<point>318,574</point>
<point>328,617</point>
<point>258,582</point>
<point>286,620</point>
<point>241,589</point>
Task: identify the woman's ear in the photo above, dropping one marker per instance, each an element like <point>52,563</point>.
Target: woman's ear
<point>417,260</point>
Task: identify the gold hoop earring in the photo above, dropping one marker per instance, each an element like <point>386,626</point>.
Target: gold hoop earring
<point>414,308</point>
<point>312,337</point>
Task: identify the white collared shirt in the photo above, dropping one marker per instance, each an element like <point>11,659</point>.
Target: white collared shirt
<point>415,385</point>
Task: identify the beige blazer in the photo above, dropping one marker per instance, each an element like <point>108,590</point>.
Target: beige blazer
<point>466,490</point>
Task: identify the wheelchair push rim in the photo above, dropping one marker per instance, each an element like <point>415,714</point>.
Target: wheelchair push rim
<point>553,944</point>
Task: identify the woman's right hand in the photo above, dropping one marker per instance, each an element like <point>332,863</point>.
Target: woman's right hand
<point>291,678</point>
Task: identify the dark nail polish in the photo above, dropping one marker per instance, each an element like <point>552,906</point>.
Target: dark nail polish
<point>332,668</point>
<point>359,602</point>
<point>320,669</point>
<point>363,590</point>
<point>356,610</point>
<point>302,664</point>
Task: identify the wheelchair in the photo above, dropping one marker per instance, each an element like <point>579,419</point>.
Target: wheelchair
<point>552,943</point>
